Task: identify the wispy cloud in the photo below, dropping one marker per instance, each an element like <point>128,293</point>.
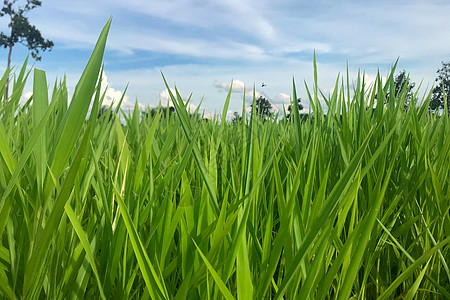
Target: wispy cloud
<point>256,30</point>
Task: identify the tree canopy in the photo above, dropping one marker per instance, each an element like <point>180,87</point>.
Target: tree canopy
<point>263,107</point>
<point>236,118</point>
<point>399,82</point>
<point>21,31</point>
<point>443,84</point>
<point>290,107</point>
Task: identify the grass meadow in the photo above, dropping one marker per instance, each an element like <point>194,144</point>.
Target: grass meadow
<point>351,205</point>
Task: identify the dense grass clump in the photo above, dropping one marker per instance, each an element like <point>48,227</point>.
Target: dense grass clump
<point>352,204</point>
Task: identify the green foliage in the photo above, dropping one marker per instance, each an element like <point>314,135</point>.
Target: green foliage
<point>351,205</point>
<point>441,91</point>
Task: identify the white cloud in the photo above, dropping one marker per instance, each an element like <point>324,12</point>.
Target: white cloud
<point>282,98</point>
<point>277,108</point>
<point>165,99</point>
<point>209,116</point>
<point>238,86</point>
<point>249,96</point>
<point>230,114</point>
<point>113,96</point>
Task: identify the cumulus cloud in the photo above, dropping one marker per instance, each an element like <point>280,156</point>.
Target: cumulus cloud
<point>282,98</point>
<point>26,96</point>
<point>113,96</point>
<point>277,108</point>
<point>238,86</point>
<point>230,114</point>
<point>370,79</point>
<point>249,96</point>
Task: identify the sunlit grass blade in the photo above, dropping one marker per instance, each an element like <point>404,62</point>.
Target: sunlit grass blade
<point>324,215</point>
<point>182,113</point>
<point>413,290</point>
<point>5,201</point>
<point>155,286</point>
<point>78,109</point>
<point>40,104</point>
<point>33,273</point>
<point>220,284</point>
<point>86,245</point>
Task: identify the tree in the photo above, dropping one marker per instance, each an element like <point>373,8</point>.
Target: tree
<point>22,31</point>
<point>443,80</point>
<point>263,107</point>
<point>236,118</point>
<point>300,107</point>
<point>102,113</point>
<point>155,110</point>
<point>399,83</point>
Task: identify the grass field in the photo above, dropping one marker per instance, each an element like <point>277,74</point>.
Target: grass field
<point>354,204</point>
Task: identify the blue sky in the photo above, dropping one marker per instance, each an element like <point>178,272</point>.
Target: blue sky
<point>202,45</point>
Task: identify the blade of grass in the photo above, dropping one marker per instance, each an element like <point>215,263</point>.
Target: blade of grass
<point>155,285</point>
<point>220,284</point>
<point>410,270</point>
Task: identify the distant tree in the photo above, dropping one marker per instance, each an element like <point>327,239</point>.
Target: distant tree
<point>443,83</point>
<point>21,31</point>
<point>236,118</point>
<point>102,113</point>
<point>399,83</point>
<point>263,107</point>
<point>153,111</point>
<point>290,108</point>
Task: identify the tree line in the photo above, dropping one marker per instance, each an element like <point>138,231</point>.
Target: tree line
<point>439,94</point>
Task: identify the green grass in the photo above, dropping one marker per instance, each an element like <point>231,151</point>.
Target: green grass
<point>353,204</point>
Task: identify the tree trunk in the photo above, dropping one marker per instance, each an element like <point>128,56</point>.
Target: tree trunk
<point>7,79</point>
